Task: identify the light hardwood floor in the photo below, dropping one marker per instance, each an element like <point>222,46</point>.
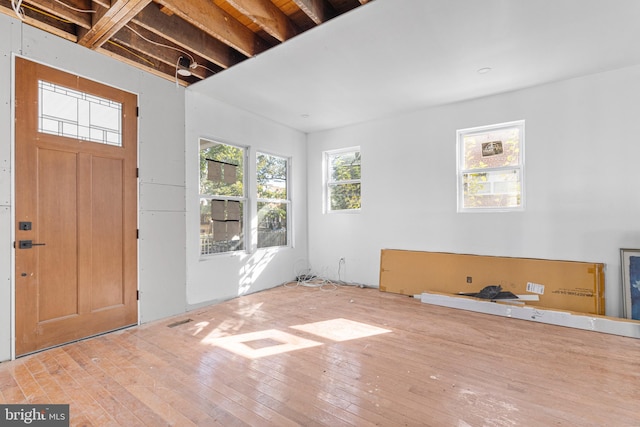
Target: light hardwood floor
<point>377,359</point>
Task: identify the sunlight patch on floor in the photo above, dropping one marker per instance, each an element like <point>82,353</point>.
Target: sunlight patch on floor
<point>254,345</point>
<point>341,329</point>
<point>251,345</point>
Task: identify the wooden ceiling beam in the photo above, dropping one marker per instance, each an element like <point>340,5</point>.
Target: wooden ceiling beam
<point>40,19</point>
<point>269,17</point>
<point>187,36</point>
<point>82,19</point>
<point>318,10</point>
<point>208,17</point>
<point>153,66</point>
<point>169,55</point>
<point>107,22</point>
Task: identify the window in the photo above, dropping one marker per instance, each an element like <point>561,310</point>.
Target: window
<point>490,168</point>
<point>273,200</point>
<point>222,197</point>
<point>79,115</point>
<point>343,182</point>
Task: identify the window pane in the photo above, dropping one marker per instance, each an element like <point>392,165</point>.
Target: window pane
<point>221,226</point>
<point>344,166</point>
<point>344,196</point>
<point>221,169</point>
<point>492,149</point>
<point>272,177</point>
<point>492,189</point>
<point>272,224</point>
<point>67,112</point>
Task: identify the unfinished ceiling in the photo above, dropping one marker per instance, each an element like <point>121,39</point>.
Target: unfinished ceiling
<point>198,38</point>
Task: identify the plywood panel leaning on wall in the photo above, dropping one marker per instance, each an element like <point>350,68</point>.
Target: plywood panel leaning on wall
<point>566,285</point>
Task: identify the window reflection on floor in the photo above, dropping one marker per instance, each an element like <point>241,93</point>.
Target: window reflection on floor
<point>253,345</point>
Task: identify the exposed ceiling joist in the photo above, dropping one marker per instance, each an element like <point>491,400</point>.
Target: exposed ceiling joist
<point>153,34</point>
<point>107,22</point>
<point>318,10</point>
<point>76,15</point>
<point>131,36</point>
<point>178,31</point>
<point>214,21</point>
<point>265,14</point>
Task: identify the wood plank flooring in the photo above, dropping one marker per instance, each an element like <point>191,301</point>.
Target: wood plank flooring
<point>378,359</point>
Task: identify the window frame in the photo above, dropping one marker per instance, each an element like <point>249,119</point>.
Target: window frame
<point>461,171</point>
<point>244,199</point>
<point>328,181</point>
<point>287,201</point>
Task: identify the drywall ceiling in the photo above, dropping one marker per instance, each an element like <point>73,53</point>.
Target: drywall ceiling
<point>394,56</point>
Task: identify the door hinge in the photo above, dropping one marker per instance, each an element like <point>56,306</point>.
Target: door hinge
<point>137,295</point>
<point>137,111</point>
<point>137,172</point>
<point>138,233</point>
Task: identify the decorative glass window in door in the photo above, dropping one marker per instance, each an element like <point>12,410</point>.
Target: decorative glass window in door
<point>74,114</point>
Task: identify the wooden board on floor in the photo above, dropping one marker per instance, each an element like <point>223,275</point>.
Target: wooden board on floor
<point>566,285</point>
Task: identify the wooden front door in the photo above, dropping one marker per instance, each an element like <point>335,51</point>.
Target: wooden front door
<point>75,206</point>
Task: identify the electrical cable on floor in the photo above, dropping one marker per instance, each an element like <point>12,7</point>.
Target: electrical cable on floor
<point>304,276</point>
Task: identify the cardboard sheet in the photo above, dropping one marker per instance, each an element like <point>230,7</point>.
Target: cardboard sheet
<point>565,285</point>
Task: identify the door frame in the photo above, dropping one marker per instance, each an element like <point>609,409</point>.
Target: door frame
<point>12,201</point>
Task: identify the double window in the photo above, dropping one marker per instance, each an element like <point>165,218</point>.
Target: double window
<point>224,202</point>
<point>490,168</point>
<point>343,180</point>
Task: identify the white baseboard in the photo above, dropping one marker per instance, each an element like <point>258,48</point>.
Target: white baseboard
<point>590,322</point>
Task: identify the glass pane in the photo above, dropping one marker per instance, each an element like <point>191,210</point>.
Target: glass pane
<point>73,114</point>
<point>221,169</point>
<point>272,177</point>
<point>344,166</point>
<point>492,189</point>
<point>344,196</point>
<point>272,224</point>
<point>492,149</point>
<point>221,226</point>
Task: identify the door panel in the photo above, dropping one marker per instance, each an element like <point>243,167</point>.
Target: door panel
<point>80,197</point>
<point>56,228</point>
<point>108,233</point>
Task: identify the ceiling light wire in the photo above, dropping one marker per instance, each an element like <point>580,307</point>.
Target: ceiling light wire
<point>193,61</point>
<point>202,66</point>
<point>73,8</point>
<point>177,65</point>
<point>41,12</point>
<point>131,52</point>
<point>193,64</point>
<point>17,8</point>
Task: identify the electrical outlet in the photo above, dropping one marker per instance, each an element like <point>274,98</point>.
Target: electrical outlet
<point>469,279</point>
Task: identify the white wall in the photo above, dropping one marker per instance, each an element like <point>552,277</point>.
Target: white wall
<point>582,166</point>
<point>223,276</point>
<point>161,160</point>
